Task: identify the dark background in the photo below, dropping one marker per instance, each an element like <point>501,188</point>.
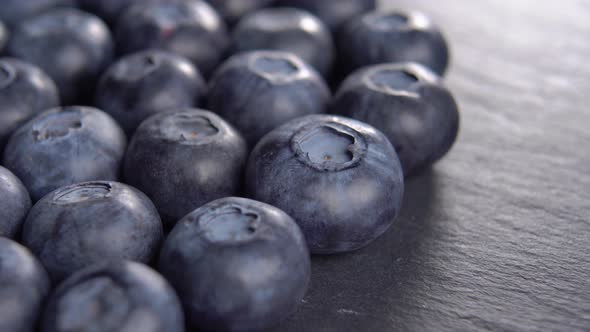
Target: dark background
<point>497,236</point>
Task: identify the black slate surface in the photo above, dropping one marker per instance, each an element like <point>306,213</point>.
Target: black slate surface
<point>496,237</point>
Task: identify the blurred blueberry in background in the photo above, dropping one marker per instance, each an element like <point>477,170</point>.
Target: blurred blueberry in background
<point>286,29</point>
<point>260,90</point>
<point>149,82</point>
<point>71,46</point>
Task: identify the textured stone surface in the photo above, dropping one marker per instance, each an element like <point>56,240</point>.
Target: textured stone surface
<point>496,237</point>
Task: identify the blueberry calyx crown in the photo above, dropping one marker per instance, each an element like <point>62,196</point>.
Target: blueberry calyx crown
<point>397,21</point>
<point>389,22</point>
<point>329,146</point>
<point>229,223</point>
<point>7,75</point>
<point>189,128</point>
<point>398,79</point>
<point>277,68</point>
<point>57,124</point>
<point>83,192</point>
<point>139,68</point>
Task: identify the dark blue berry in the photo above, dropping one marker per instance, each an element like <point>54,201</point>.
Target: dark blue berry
<point>185,159</point>
<point>290,30</point>
<point>261,90</point>
<point>64,146</point>
<point>115,296</point>
<point>190,28</point>
<point>25,91</point>
<point>334,13</point>
<point>71,46</point>
<point>383,37</point>
<point>409,104</point>
<point>14,203</point>
<point>87,223</point>
<point>23,287</point>
<point>146,83</point>
<point>237,265</point>
<point>339,178</point>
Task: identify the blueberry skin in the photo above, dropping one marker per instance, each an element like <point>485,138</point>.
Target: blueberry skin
<point>334,13</point>
<point>23,287</point>
<point>108,10</point>
<point>185,159</point>
<point>339,178</point>
<point>146,83</point>
<point>261,90</point>
<point>71,46</point>
<point>14,203</point>
<point>237,265</point>
<point>384,37</point>
<point>408,103</point>
<point>115,297</point>
<point>76,226</point>
<point>25,91</point>
<point>63,146</point>
<point>14,11</point>
<point>3,36</point>
<point>286,29</point>
<point>190,28</point>
<point>233,10</point>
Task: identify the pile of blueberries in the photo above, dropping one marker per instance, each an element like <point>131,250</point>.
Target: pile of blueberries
<point>316,111</point>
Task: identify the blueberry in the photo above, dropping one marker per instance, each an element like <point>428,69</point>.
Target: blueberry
<point>86,223</point>
<point>108,10</point>
<point>409,104</point>
<point>261,90</point>
<point>233,10</point>
<point>383,37</point>
<point>23,286</point>
<point>115,297</point>
<point>190,28</point>
<point>185,159</point>
<point>25,91</point>
<point>14,11</point>
<point>334,13</point>
<point>64,146</point>
<point>286,29</point>
<point>339,178</point>
<point>146,83</point>
<point>71,46</point>
<point>14,204</point>
<point>237,265</point>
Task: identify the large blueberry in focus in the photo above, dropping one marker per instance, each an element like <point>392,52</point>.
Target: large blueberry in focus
<point>409,104</point>
<point>12,12</point>
<point>261,90</point>
<point>14,203</point>
<point>119,296</point>
<point>25,91</point>
<point>237,265</point>
<point>64,146</point>
<point>190,28</point>
<point>383,37</point>
<point>71,46</point>
<point>334,13</point>
<point>23,287</point>
<point>339,178</point>
<point>86,223</point>
<point>146,83</point>
<point>233,10</point>
<point>185,159</point>
<point>286,29</point>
